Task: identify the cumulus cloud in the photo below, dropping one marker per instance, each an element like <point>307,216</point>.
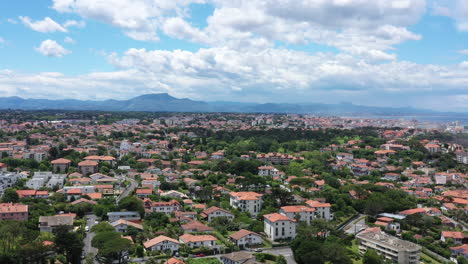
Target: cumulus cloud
<point>46,25</point>
<point>51,48</point>
<point>74,23</point>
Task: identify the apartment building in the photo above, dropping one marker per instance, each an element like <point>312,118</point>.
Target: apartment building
<point>278,226</point>
<point>392,248</point>
<point>250,202</point>
<point>298,212</point>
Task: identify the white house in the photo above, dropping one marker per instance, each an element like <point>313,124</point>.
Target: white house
<point>214,212</point>
<point>322,210</point>
<point>268,171</point>
<point>243,238</point>
<point>304,213</point>
<point>162,243</point>
<point>122,225</point>
<point>250,202</point>
<point>162,207</point>
<point>278,226</point>
<point>196,241</point>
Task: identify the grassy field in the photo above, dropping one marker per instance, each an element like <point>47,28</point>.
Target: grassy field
<point>204,261</point>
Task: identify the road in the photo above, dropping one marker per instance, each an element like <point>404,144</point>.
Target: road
<point>88,249</point>
<point>128,190</point>
<point>284,251</point>
<point>457,223</point>
<point>355,225</point>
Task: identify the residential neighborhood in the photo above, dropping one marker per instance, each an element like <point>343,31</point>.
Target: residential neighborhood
<point>227,188</point>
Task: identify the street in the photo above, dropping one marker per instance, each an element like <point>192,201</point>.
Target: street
<point>90,222</point>
<point>128,190</point>
<point>355,225</point>
<point>284,251</point>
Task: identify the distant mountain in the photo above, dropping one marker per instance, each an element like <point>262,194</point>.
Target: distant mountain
<point>163,102</point>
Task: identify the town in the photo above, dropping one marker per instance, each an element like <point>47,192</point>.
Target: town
<point>195,188</point>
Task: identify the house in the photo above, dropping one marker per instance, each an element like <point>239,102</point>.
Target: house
<point>49,223</point>
<point>13,211</point>
<point>214,212</point>
<point>298,212</point>
<point>196,241</point>
<point>162,243</point>
<point>433,148</point>
<point>88,166</point>
<point>238,257</point>
<point>393,248</point>
<point>250,202</point>
<point>61,165</point>
<point>122,225</point>
<point>388,223</point>
<point>245,238</point>
<point>268,171</point>
<point>162,207</point>
<point>144,193</point>
<point>174,194</point>
<point>174,261</point>
<point>456,236</point>
<point>322,210</point>
<point>196,227</point>
<point>278,226</point>
<point>83,200</point>
<point>460,251</point>
<point>114,216</point>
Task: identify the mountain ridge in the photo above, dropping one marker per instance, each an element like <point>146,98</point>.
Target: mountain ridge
<point>163,102</point>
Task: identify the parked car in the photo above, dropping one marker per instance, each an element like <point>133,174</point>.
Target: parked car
<point>200,255</point>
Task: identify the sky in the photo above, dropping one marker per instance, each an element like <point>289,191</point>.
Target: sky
<point>397,53</point>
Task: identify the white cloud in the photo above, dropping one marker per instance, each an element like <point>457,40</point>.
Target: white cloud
<point>69,40</point>
<point>2,40</point>
<point>74,23</point>
<point>45,26</point>
<point>51,48</point>
<point>455,9</point>
<point>139,19</point>
<point>12,21</point>
<point>463,51</point>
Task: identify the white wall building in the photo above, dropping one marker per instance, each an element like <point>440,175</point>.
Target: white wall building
<point>250,202</point>
<point>278,226</point>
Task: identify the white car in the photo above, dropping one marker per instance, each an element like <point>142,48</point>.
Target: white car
<point>86,229</point>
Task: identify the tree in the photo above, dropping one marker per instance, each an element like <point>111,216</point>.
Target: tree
<point>10,196</point>
<point>131,203</point>
<point>68,243</point>
<point>281,260</point>
<point>111,246</point>
<point>372,257</point>
<point>102,227</point>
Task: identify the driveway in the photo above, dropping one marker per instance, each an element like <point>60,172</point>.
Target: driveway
<point>356,225</point>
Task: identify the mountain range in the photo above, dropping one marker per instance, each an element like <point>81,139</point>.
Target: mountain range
<point>163,102</point>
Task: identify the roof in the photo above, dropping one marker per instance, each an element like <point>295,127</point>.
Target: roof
<point>413,211</point>
<point>56,220</point>
<point>297,209</point>
<point>188,238</point>
<point>61,161</point>
<point>242,233</point>
<point>246,195</point>
<point>83,200</point>
<point>157,240</point>
<point>195,225</point>
<point>126,222</point>
<point>13,208</point>
<point>453,234</point>
<point>213,209</point>
<point>88,163</point>
<point>312,203</point>
<point>144,191</point>
<point>174,261</point>
<point>274,217</point>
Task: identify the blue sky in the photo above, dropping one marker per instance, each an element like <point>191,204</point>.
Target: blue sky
<point>371,52</point>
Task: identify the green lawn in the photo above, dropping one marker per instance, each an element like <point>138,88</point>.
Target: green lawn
<point>203,261</point>
<point>427,259</point>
